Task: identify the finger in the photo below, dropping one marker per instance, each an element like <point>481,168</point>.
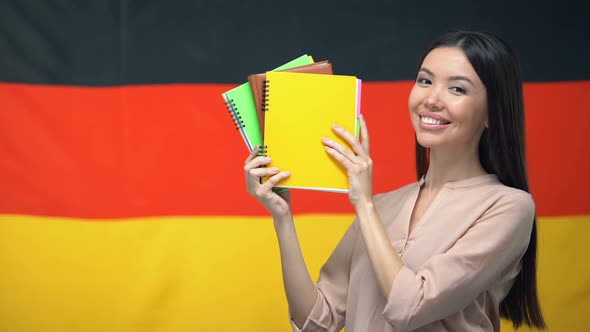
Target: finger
<point>252,155</point>
<point>273,180</point>
<point>344,151</point>
<point>353,141</point>
<point>364,134</point>
<point>261,172</point>
<point>343,160</point>
<point>257,162</point>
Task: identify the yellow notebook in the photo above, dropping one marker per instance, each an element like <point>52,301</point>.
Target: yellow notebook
<point>299,110</point>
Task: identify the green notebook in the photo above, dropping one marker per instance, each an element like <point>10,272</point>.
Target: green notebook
<point>242,108</point>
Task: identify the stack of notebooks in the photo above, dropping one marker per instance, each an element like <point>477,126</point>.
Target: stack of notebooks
<point>288,110</point>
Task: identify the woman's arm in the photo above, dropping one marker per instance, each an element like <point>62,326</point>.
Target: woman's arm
<point>489,252</point>
<point>311,309</point>
<point>386,263</point>
<point>448,282</point>
<point>299,288</point>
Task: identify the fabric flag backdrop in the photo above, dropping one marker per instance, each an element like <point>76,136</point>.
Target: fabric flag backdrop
<point>122,201</point>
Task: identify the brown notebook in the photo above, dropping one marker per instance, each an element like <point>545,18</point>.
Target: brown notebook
<point>257,84</point>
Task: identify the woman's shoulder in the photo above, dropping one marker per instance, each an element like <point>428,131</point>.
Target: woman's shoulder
<point>485,186</point>
<point>514,197</point>
<point>494,195</point>
<point>506,192</point>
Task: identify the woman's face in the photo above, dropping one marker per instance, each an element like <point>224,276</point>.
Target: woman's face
<point>448,103</point>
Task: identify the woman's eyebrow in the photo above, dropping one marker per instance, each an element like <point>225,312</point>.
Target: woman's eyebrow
<point>427,71</point>
<point>461,78</point>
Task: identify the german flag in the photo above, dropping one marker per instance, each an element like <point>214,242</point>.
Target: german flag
<point>122,200</point>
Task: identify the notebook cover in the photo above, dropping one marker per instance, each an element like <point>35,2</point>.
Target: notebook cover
<point>257,84</point>
<point>299,110</point>
<point>241,106</point>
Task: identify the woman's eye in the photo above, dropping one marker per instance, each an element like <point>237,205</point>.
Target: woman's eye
<point>423,81</point>
<point>458,89</point>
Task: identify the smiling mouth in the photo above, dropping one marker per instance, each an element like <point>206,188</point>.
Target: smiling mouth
<point>433,121</point>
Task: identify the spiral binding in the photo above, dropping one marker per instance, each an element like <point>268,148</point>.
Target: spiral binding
<point>263,150</point>
<point>266,84</point>
<point>235,114</point>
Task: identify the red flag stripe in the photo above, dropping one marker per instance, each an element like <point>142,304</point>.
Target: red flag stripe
<point>171,150</point>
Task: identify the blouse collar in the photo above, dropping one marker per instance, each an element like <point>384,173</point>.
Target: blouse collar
<point>469,182</point>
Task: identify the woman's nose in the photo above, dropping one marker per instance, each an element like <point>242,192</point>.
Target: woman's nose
<point>433,100</point>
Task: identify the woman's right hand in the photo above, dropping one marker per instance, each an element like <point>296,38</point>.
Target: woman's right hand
<point>277,204</point>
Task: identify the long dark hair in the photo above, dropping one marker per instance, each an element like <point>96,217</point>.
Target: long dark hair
<point>501,149</point>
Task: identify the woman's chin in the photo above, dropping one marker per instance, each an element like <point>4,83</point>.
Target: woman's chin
<point>428,142</point>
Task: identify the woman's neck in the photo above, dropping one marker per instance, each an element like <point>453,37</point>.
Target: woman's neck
<point>444,166</point>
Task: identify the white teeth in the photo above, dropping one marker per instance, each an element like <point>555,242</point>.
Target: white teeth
<point>431,121</point>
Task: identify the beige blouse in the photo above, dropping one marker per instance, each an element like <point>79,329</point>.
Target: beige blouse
<point>460,262</point>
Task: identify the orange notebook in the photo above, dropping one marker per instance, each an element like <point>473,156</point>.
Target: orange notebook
<point>299,110</point>
<point>257,84</point>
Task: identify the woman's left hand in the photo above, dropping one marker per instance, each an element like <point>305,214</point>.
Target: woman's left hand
<point>358,164</point>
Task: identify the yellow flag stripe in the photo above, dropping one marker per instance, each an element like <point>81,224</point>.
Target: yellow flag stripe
<point>206,273</point>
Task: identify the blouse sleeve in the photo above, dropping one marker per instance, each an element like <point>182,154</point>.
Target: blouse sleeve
<point>448,282</point>
<point>329,310</point>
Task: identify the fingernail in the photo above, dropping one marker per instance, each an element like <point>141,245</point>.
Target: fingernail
<point>274,169</point>
<point>335,126</point>
<point>324,139</point>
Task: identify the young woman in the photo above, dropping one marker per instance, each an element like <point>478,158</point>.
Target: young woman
<point>454,251</point>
